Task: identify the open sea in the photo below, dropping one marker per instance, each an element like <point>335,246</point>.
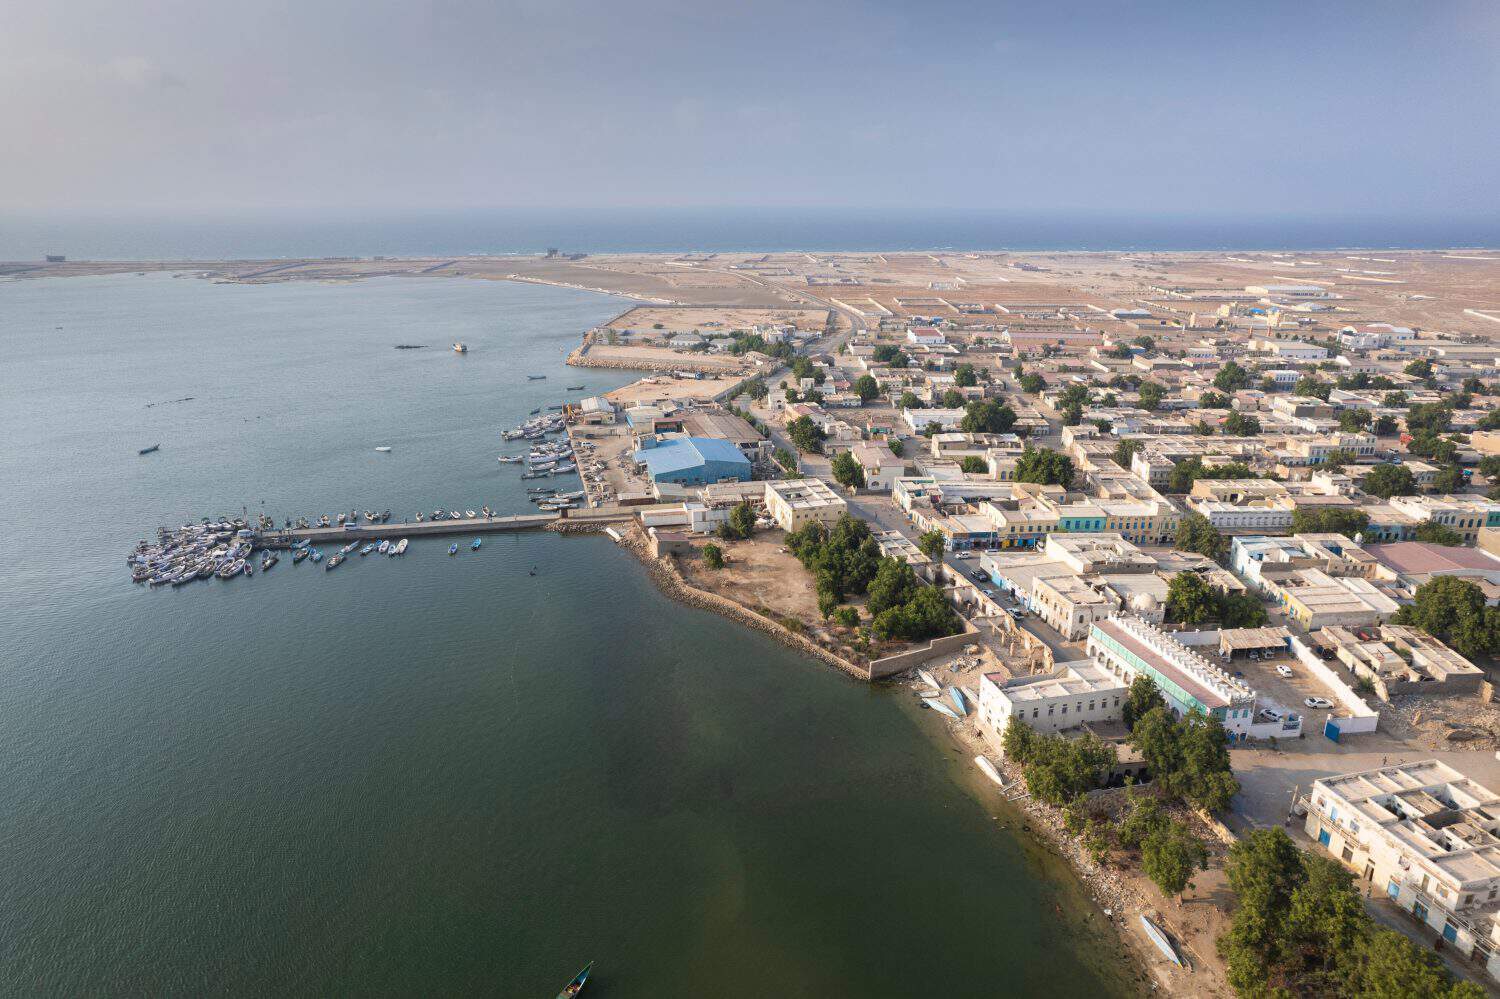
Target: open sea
<point>277,234</point>
<point>432,775</point>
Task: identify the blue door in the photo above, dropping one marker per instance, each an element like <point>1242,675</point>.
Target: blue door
<point>1323,836</point>
<point>1450,933</point>
<point>1393,889</point>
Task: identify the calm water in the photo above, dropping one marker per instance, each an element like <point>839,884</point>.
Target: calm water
<point>269,234</point>
<point>434,775</point>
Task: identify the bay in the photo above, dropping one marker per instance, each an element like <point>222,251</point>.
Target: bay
<point>431,775</point>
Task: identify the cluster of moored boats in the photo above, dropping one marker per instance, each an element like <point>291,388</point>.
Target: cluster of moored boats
<point>226,549</point>
<point>546,457</point>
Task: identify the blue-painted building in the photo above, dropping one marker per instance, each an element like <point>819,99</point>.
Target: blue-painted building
<point>694,461</point>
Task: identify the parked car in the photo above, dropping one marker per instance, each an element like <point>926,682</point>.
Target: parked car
<point>988,593</point>
<point>981,575</point>
<point>1284,671</point>
<point>1318,702</point>
<point>1275,714</point>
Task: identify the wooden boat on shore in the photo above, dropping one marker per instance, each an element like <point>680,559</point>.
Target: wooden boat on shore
<point>937,705</point>
<point>988,769</point>
<point>576,985</point>
<point>1160,939</point>
<point>927,678</point>
<point>958,700</point>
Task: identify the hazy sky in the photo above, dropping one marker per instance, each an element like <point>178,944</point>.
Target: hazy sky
<point>1217,106</point>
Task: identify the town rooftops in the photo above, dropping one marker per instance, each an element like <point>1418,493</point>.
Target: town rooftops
<point>1420,558</point>
<point>1185,668</point>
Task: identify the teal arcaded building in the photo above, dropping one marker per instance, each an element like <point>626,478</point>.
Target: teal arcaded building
<point>694,461</point>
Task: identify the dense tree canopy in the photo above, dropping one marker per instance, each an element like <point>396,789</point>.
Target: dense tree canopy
<point>1453,609</point>
<point>1387,480</point>
<point>987,416</point>
<point>964,376</point>
<point>1196,534</point>
<point>1231,378</point>
<point>806,435</point>
<point>866,387</point>
<point>847,471</point>
<point>1045,466</point>
<point>1241,425</point>
<point>1329,520</point>
<point>1151,395</point>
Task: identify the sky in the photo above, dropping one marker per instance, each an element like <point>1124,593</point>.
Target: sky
<point>1198,106</point>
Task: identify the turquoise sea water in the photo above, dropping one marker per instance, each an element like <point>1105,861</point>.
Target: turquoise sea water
<point>431,775</point>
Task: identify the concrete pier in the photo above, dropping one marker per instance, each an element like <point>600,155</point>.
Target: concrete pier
<point>427,528</point>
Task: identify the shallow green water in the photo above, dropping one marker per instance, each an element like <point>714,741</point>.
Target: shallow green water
<point>434,775</point>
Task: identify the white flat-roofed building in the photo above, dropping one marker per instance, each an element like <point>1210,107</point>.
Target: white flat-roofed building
<point>1289,290</point>
<point>1425,835</point>
<point>881,467</point>
<point>794,503</point>
<point>1070,605</point>
<point>1128,647</point>
<point>925,336</point>
<point>919,419</point>
<point>1072,695</point>
<point>1256,516</point>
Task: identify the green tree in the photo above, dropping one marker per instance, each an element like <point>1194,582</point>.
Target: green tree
<point>1264,869</point>
<point>1170,856</point>
<point>1125,451</point>
<point>1241,610</point>
<point>1453,609</point>
<point>1428,418</point>
<point>909,400</point>
<point>1310,386</point>
<point>713,556</point>
<point>806,435</point>
<point>1490,420</point>
<point>1144,815</point>
<point>1142,698</point>
<point>1103,426</point>
<point>1058,769</point>
<point>866,387</point>
<point>1033,383</point>
<point>987,416</point>
<point>973,464</point>
<point>1394,400</point>
<point>1017,739</point>
<point>847,472</point>
<point>894,584</point>
<point>1449,479</point>
<point>1151,395</point>
<point>1241,425</point>
<point>1390,966</point>
<point>1231,378</point>
<point>1387,480</point>
<point>1420,368</point>
<point>1354,420</point>
<point>785,459</point>
<point>964,376</point>
<point>896,445</point>
<point>1195,533</point>
<point>1329,520</point>
<point>932,544</point>
<point>756,388</point>
<point>1189,599</point>
<point>1045,466</point>
<point>740,524</point>
<point>1072,416</point>
<point>848,617</point>
<point>953,399</point>
<point>1213,400</point>
<point>1385,426</point>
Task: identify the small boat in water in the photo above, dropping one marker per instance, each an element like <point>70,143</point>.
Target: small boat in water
<point>453,548</point>
<point>334,563</point>
<point>383,547</point>
<point>400,548</point>
<point>475,546</point>
<point>575,388</point>
<point>509,459</point>
<point>1159,938</point>
<point>268,559</point>
<point>941,708</point>
<point>535,378</point>
<point>299,555</point>
<point>470,514</point>
<point>367,549</point>
<point>384,449</point>
<point>149,450</point>
<point>576,985</point>
<point>317,556</point>
<point>460,348</point>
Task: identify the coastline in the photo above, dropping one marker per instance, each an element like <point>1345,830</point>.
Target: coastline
<point>1115,894</point>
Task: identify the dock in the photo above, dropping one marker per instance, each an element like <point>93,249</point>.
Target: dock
<point>426,528</point>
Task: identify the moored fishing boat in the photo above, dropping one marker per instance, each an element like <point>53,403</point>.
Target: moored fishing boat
<point>475,546</point>
<point>334,562</point>
<point>470,514</point>
<point>367,549</point>
<point>384,449</point>
<point>298,555</point>
<point>453,548</point>
<point>400,548</point>
<point>576,985</point>
<point>383,547</point>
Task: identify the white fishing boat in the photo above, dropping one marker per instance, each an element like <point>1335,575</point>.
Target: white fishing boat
<point>461,347</point>
<point>1159,938</point>
<point>400,548</point>
<point>988,769</point>
<point>937,705</point>
<point>509,459</point>
<point>384,449</point>
<point>927,678</point>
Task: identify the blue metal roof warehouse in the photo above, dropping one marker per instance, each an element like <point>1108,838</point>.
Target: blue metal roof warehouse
<point>695,461</point>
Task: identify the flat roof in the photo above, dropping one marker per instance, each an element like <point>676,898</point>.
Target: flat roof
<point>1204,694</point>
<point>1420,557</point>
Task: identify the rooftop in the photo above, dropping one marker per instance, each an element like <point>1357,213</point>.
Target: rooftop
<point>1417,557</point>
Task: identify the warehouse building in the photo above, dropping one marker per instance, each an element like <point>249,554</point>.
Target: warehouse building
<point>693,461</point>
